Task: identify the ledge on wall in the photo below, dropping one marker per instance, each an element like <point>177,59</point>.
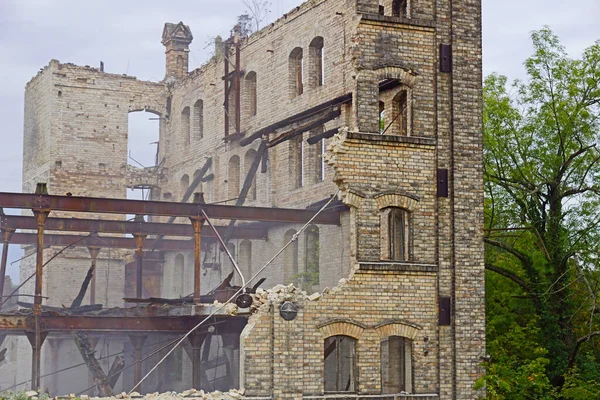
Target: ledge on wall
<point>376,137</point>
<point>400,266</point>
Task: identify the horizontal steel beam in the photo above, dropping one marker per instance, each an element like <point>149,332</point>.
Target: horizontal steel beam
<point>102,241</point>
<point>112,226</point>
<point>55,323</point>
<point>144,207</point>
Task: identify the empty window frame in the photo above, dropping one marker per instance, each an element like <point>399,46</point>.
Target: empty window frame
<point>199,119</point>
<point>316,53</point>
<point>395,111</point>
<point>185,125</point>
<point>296,161</point>
<point>339,356</point>
<point>397,228</point>
<point>248,160</point>
<point>400,111</point>
<point>184,184</point>
<point>251,95</point>
<point>400,8</point>
<point>312,250</point>
<point>233,178</point>
<point>246,257</point>
<point>396,365</point>
<point>296,62</point>
<point>290,258</point>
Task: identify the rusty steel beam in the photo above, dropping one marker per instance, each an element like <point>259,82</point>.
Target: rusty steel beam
<point>56,323</point>
<point>101,241</point>
<point>144,207</point>
<point>111,226</point>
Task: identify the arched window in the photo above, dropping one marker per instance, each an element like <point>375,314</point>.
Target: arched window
<point>290,258</point>
<point>296,72</point>
<point>313,246</point>
<point>248,160</point>
<point>178,278</point>
<point>233,179</point>
<point>395,111</point>
<point>185,125</point>
<point>316,52</point>
<point>314,170</point>
<point>297,161</point>
<point>396,365</point>
<point>246,257</point>
<point>199,188</point>
<point>199,119</point>
<point>184,184</point>
<point>400,8</point>
<point>339,357</point>
<point>251,95</point>
<point>396,227</point>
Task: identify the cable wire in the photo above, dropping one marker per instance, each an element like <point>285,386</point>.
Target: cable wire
<point>240,290</point>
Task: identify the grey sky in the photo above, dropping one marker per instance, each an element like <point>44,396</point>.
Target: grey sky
<point>126,36</point>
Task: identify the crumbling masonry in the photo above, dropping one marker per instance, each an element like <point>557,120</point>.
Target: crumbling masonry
<point>380,100</point>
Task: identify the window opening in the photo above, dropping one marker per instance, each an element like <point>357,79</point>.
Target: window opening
<point>246,256</point>
<point>185,125</point>
<point>297,161</point>
<point>248,160</point>
<point>396,365</point>
<point>399,234</point>
<point>233,181</point>
<point>251,93</point>
<point>400,8</point>
<point>290,266</point>
<point>339,364</point>
<point>316,52</point>
<point>199,119</point>
<point>296,72</point>
<point>184,184</point>
<point>312,268</point>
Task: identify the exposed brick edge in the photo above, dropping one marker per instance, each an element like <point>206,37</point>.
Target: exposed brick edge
<point>375,137</point>
<point>421,23</point>
<point>395,266</point>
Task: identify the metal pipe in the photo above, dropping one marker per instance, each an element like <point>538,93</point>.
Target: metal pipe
<point>197,224</point>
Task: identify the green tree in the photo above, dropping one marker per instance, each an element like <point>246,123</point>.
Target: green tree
<point>542,171</point>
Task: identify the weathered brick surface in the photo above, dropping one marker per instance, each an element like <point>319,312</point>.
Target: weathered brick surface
<point>76,141</point>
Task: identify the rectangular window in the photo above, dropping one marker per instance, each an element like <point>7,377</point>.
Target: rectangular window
<point>339,358</point>
<point>396,365</point>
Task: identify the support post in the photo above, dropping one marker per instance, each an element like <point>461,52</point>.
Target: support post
<point>6,236</point>
<point>196,340</point>
<point>197,223</point>
<point>138,343</point>
<point>38,338</point>
<point>139,254</point>
<point>94,251</point>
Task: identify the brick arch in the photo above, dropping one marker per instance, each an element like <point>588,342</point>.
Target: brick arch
<point>353,198</point>
<point>397,327</point>
<point>402,74</point>
<point>149,106</point>
<point>346,327</point>
<point>396,199</point>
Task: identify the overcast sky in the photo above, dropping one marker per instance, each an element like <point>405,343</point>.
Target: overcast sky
<point>126,35</point>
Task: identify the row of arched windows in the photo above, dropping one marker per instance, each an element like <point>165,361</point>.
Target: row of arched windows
<point>192,122</point>
<point>339,362</point>
<point>291,273</point>
<point>234,176</point>
<point>313,71</point>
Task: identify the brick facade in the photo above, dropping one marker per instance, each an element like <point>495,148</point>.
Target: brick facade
<point>76,141</point>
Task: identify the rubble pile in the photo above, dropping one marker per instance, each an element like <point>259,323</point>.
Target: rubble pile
<point>233,394</point>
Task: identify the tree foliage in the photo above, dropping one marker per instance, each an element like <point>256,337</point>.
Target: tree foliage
<point>542,171</point>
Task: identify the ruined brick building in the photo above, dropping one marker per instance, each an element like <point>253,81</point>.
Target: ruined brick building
<point>381,100</point>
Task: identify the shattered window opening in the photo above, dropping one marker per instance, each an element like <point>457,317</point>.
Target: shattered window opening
<point>339,364</point>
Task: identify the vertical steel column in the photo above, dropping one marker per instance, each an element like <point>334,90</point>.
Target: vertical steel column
<point>94,251</point>
<point>139,254</point>
<point>196,340</point>
<point>6,236</point>
<point>138,343</point>
<point>197,223</point>
<point>40,216</point>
